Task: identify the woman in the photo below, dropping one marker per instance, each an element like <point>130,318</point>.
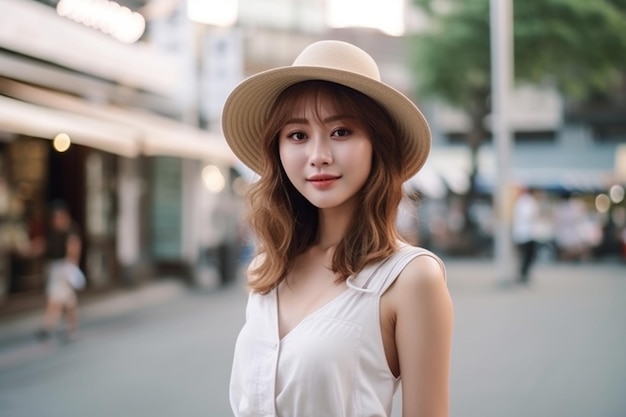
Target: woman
<point>340,309</point>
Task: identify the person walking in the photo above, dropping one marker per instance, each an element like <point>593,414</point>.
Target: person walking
<point>525,224</point>
<point>61,248</point>
<point>340,308</point>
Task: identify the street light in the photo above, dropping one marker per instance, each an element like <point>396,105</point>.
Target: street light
<point>502,74</point>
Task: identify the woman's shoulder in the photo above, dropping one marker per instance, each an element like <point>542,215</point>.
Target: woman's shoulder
<point>412,264</point>
<point>422,266</point>
<point>421,284</point>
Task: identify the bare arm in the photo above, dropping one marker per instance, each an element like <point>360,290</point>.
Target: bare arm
<point>423,337</point>
<point>73,248</point>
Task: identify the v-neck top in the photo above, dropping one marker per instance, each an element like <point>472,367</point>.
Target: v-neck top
<point>331,364</point>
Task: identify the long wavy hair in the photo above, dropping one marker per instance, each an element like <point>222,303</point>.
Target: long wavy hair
<point>285,224</point>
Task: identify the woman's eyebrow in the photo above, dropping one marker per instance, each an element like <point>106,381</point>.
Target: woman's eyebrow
<point>329,119</point>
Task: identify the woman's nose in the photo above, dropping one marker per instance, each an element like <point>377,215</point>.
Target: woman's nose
<point>320,152</point>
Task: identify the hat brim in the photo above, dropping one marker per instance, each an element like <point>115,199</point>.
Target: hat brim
<point>247,108</point>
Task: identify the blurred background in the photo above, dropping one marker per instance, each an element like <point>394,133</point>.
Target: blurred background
<point>114,107</point>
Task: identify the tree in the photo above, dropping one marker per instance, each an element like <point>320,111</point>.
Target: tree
<point>577,46</point>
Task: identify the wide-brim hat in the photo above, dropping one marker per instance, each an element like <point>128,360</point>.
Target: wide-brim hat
<point>247,108</point>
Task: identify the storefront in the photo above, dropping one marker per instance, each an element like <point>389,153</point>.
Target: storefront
<point>33,174</point>
<point>134,185</point>
<point>133,172</point>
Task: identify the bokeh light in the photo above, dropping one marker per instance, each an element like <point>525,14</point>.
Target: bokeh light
<point>61,142</point>
<point>617,194</point>
<point>107,16</point>
<point>603,203</point>
<point>213,178</point>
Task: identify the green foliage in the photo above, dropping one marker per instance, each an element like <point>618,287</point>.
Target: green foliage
<point>577,45</point>
<point>580,45</point>
<point>452,60</point>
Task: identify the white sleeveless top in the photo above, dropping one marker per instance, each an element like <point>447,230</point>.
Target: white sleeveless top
<point>332,364</point>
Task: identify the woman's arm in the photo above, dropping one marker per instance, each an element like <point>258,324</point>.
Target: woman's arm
<point>423,336</point>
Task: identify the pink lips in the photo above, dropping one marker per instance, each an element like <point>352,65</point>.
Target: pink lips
<point>323,181</point>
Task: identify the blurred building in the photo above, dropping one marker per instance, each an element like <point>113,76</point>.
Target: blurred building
<point>133,172</point>
<point>557,146</point>
<point>148,176</point>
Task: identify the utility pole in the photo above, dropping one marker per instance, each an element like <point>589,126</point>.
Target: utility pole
<point>501,16</point>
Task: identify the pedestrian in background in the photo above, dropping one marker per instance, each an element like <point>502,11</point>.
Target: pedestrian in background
<point>340,309</point>
<point>61,249</point>
<point>525,229</point>
<point>569,221</point>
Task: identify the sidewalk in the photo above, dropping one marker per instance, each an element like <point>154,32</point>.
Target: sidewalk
<point>464,274</point>
<point>14,331</point>
<point>471,275</point>
<point>482,275</point>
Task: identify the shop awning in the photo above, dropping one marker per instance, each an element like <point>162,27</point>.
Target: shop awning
<point>155,135</point>
<point>167,137</point>
<point>43,122</point>
<point>565,179</point>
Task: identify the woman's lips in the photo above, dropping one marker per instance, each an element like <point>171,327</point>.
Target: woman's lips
<point>323,181</point>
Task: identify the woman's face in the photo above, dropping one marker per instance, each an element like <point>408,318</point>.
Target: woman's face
<point>327,155</point>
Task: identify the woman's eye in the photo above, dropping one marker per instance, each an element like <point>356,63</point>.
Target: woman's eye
<point>341,132</point>
<point>297,136</point>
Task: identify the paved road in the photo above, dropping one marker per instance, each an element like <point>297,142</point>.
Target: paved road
<point>555,349</point>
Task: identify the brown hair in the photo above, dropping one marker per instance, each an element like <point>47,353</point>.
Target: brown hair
<point>285,224</point>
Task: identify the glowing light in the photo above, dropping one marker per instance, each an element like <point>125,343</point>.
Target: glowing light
<point>388,16</point>
<point>61,142</point>
<point>213,178</point>
<point>617,194</point>
<point>107,16</point>
<point>213,12</point>
<point>603,203</point>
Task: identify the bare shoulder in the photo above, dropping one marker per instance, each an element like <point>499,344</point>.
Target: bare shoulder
<point>423,271</point>
<point>422,315</point>
<point>423,276</point>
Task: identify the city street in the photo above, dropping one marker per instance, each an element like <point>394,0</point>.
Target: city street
<point>133,134</point>
<point>554,349</point>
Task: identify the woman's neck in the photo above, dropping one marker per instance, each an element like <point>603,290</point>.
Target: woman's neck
<point>333,224</point>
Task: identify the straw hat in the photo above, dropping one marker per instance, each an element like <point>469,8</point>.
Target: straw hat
<point>247,108</point>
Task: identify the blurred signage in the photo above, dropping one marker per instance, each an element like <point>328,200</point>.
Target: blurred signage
<point>222,70</point>
<point>35,30</point>
<point>107,16</point>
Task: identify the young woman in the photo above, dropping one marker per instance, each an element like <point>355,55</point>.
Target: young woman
<point>340,308</point>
